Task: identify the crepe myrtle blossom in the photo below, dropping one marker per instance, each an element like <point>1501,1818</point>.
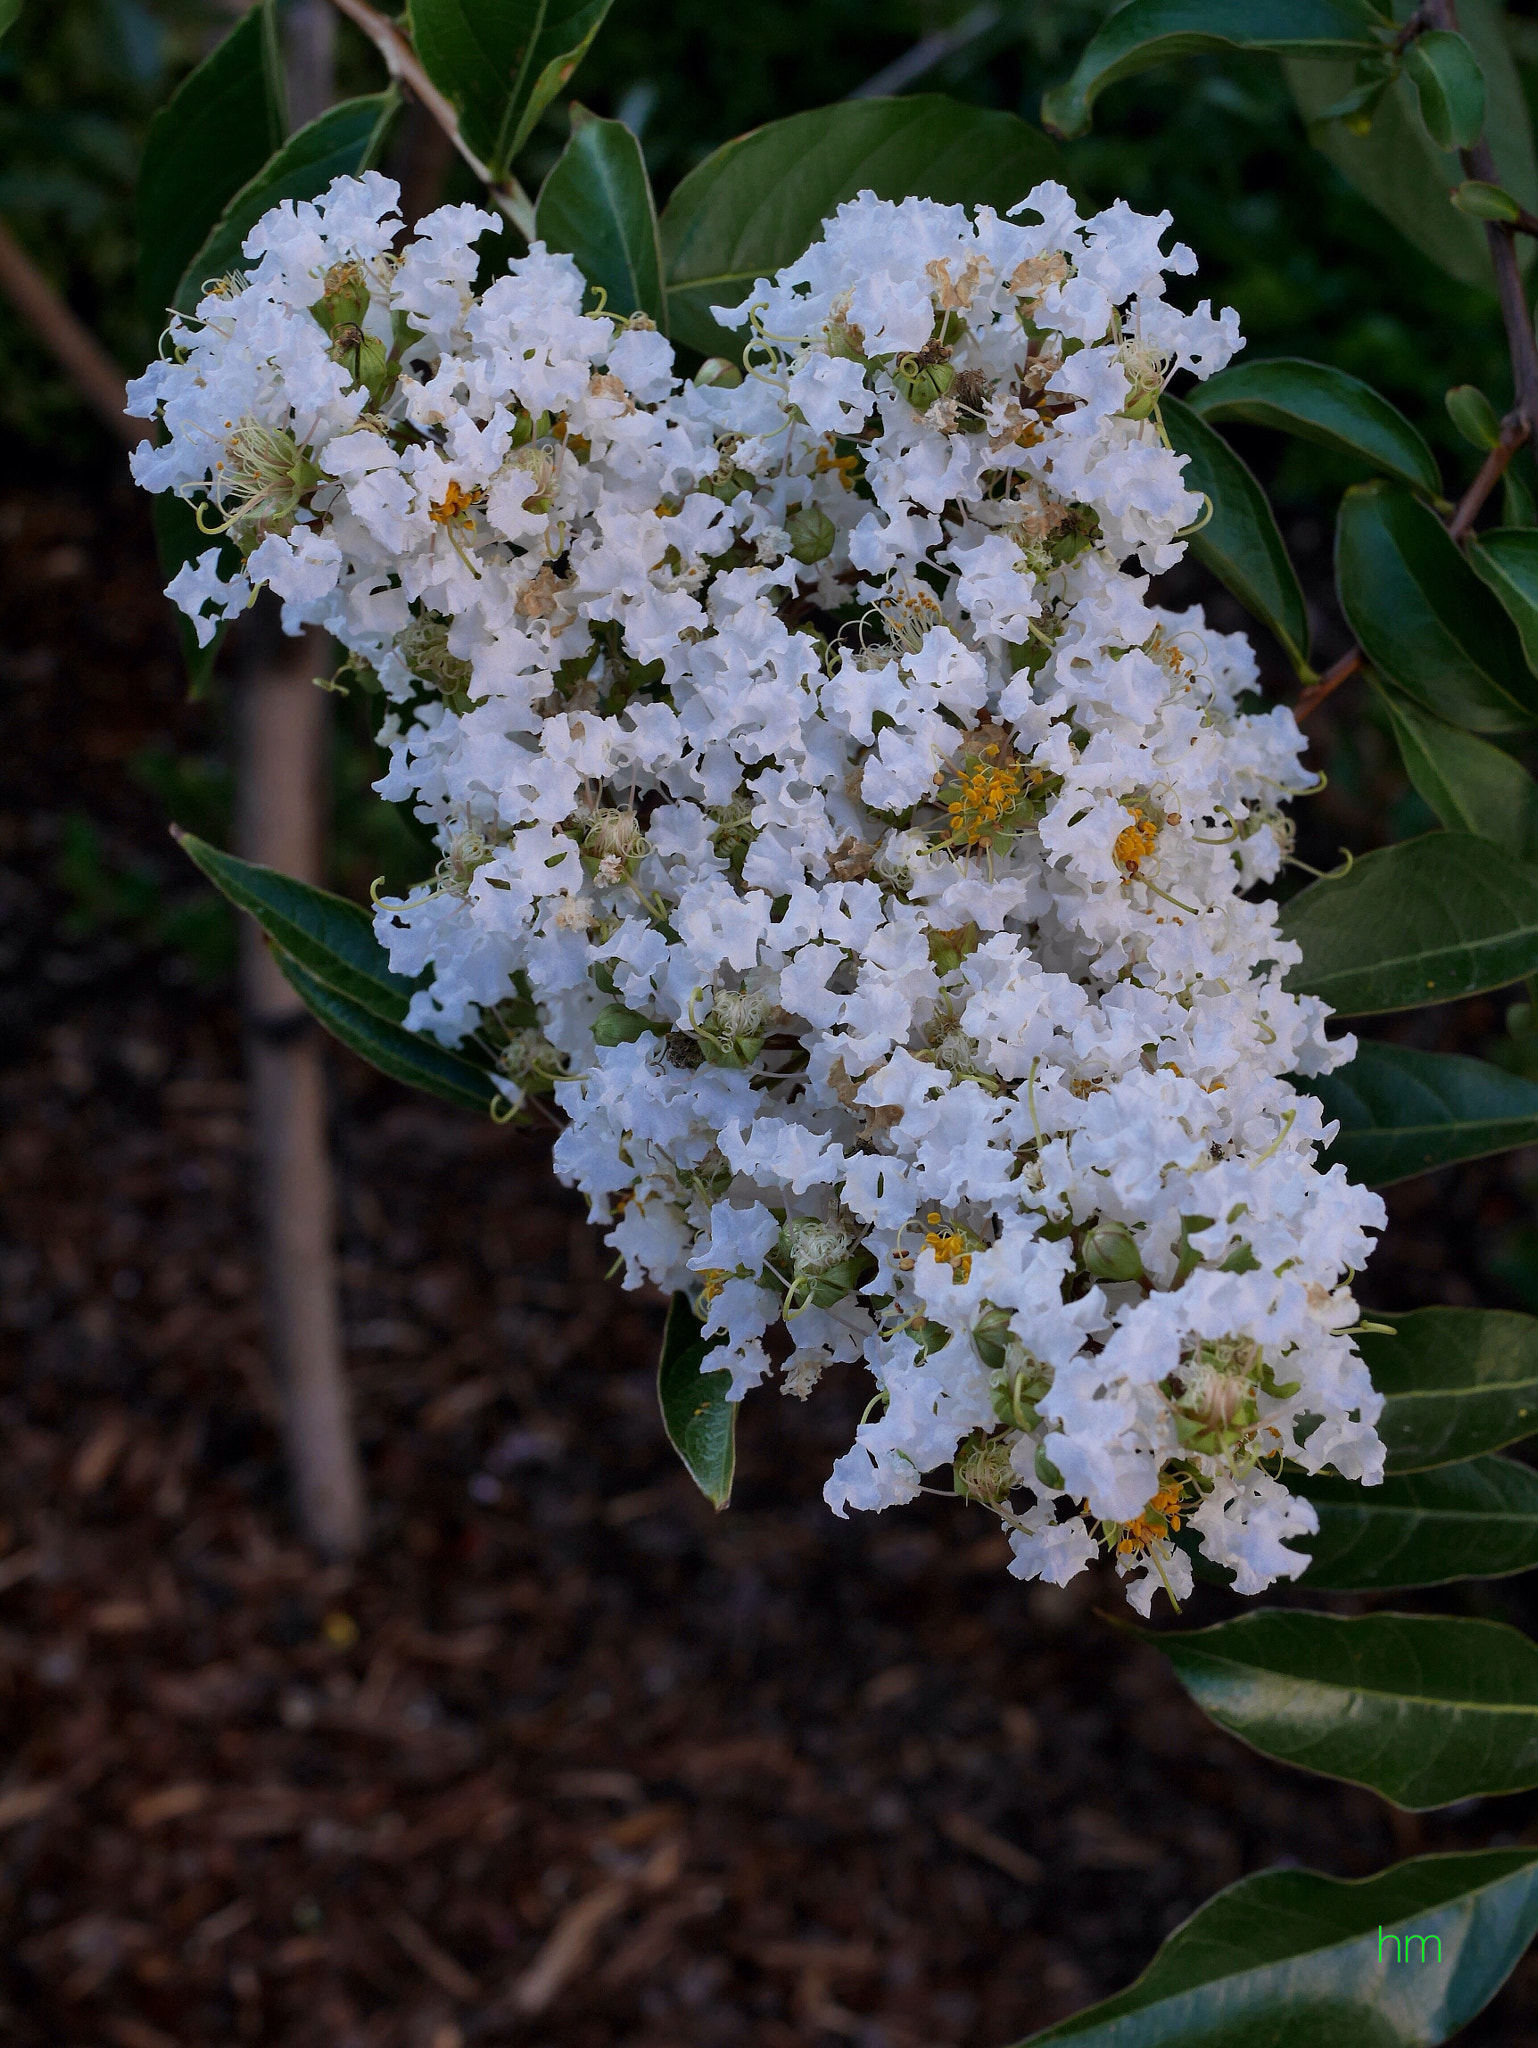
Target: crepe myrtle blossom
<point>830,828</point>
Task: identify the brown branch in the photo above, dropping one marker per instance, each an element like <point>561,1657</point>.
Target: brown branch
<point>72,344</point>
<point>406,68</point>
<point>1329,682</point>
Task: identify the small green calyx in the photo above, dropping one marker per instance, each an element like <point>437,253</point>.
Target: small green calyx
<point>924,376</point>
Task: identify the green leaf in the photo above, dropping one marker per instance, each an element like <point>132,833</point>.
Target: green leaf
<point>1426,921</point>
<point>214,135</point>
<point>1422,1708</point>
<point>403,1055</point>
<point>1422,616</point>
<point>1240,543</point>
<point>9,9</point>
<point>1450,87</point>
<point>331,938</point>
<point>1477,1520</point>
<point>1470,784</point>
<point>1153,31</point>
<point>1292,1959</point>
<point>501,63</point>
<point>1506,558</point>
<point>344,140</point>
<point>1402,172</point>
<point>701,1423</point>
<point>1481,200</point>
<point>1517,509</point>
<point>597,205</point>
<point>1474,416</point>
<point>179,539</point>
<point>1319,403</point>
<point>1403,1112</point>
<point>758,201</point>
<point>1458,1382</point>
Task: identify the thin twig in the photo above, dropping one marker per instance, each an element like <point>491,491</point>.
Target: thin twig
<point>1514,431</point>
<point>405,67</point>
<point>74,347</point>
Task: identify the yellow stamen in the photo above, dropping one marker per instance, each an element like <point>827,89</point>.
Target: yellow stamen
<point>1159,1519</point>
<point>456,507</point>
<point>988,793</point>
<point>1135,842</point>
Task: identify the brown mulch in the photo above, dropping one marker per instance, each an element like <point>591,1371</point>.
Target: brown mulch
<point>567,1759</point>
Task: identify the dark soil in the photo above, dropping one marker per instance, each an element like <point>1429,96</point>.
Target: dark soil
<point>568,1759</point>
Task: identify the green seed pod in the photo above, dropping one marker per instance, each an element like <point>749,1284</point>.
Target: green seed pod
<point>1110,1252</point>
<point>812,534</point>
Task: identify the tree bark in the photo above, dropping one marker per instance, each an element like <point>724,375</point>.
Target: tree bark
<point>281,754</point>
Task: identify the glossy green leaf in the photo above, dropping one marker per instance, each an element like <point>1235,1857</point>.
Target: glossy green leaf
<point>1153,31</point>
<point>701,1423</point>
<point>1401,171</point>
<point>1477,1520</point>
<point>403,1055</point>
<point>1422,1708</point>
<point>758,201</point>
<point>1449,86</point>
<point>1426,921</point>
<point>1422,616</point>
<point>331,938</point>
<point>1506,558</point>
<point>1292,1959</point>
<point>1403,1112</point>
<point>1472,785</point>
<point>1317,402</point>
<point>1458,1382</point>
<point>501,62</point>
<point>346,139</point>
<point>1241,543</point>
<point>212,137</point>
<point>597,205</point>
<point>178,540</point>
<point>9,9</point>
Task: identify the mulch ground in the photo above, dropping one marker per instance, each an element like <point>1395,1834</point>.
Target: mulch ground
<point>567,1759</point>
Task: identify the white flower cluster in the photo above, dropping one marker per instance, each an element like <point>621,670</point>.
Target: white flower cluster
<point>831,828</point>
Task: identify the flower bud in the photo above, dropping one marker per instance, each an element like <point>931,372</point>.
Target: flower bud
<point>345,300</point>
<point>812,534</point>
<point>1110,1252</point>
<point>718,370</point>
